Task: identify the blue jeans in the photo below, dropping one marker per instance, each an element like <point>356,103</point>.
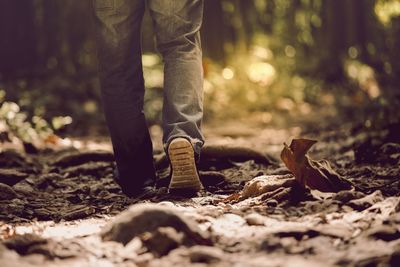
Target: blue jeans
<point>118,34</point>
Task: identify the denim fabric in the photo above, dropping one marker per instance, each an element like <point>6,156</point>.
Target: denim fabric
<point>118,35</point>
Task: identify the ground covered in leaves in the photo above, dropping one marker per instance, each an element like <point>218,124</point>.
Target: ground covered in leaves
<point>62,208</point>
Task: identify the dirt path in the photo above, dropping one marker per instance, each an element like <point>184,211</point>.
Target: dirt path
<point>59,208</point>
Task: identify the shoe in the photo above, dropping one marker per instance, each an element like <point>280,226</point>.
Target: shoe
<point>143,193</point>
<point>135,191</point>
<point>184,174</point>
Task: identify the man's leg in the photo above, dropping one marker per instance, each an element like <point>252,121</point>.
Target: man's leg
<point>177,24</point>
<point>119,53</point>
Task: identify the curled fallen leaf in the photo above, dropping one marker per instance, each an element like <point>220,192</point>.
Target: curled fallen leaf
<point>310,173</point>
<point>265,183</point>
<point>261,185</point>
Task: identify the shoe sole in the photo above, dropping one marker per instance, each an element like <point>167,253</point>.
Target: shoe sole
<point>184,172</point>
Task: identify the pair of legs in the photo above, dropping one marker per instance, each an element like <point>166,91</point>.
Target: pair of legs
<point>118,36</point>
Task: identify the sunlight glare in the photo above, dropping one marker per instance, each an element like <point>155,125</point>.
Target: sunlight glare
<point>228,73</point>
<point>262,73</point>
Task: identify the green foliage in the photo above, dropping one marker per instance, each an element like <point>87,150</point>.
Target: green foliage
<point>386,10</point>
<point>16,122</point>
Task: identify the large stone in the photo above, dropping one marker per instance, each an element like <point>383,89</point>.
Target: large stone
<point>208,255</point>
<point>6,192</point>
<point>384,232</point>
<point>163,240</point>
<point>22,243</point>
<point>255,219</point>
<point>11,176</point>
<point>142,218</point>
<point>12,159</point>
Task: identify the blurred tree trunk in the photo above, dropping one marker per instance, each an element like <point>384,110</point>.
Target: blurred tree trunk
<point>241,36</point>
<point>213,31</point>
<point>333,40</point>
<point>78,38</point>
<point>396,55</point>
<point>265,17</point>
<point>356,21</point>
<point>291,25</point>
<point>249,20</point>
<point>18,38</point>
<point>53,21</point>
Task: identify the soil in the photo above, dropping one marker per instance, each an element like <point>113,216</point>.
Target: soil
<point>61,207</point>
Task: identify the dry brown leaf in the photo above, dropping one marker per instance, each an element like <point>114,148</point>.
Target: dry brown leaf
<point>265,183</point>
<point>310,173</point>
<point>261,185</point>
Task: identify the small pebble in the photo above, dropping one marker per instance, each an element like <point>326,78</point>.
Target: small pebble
<point>6,192</point>
<point>254,219</point>
<point>272,203</point>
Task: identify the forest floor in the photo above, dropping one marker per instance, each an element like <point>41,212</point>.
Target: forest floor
<point>62,208</point>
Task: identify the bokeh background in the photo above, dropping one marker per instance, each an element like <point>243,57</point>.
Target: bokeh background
<point>264,59</point>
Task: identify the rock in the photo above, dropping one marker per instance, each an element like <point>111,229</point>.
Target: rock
<point>389,152</point>
<point>144,259</point>
<point>332,230</point>
<point>204,254</point>
<point>347,195</point>
<point>390,148</point>
<point>295,231</point>
<point>22,243</point>
<point>273,203</point>
<point>377,150</point>
<point>132,248</point>
<point>271,243</point>
<point>47,179</point>
<point>384,232</point>
<point>142,218</point>
<point>43,213</point>
<point>6,192</point>
<point>11,176</point>
<point>51,250</point>
<point>162,240</point>
<point>254,219</point>
<point>23,187</point>
<point>11,159</point>
<point>395,258</point>
<point>228,220</point>
<point>16,207</point>
<point>367,201</point>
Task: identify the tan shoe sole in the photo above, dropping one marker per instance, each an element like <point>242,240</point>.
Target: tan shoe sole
<point>184,172</point>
